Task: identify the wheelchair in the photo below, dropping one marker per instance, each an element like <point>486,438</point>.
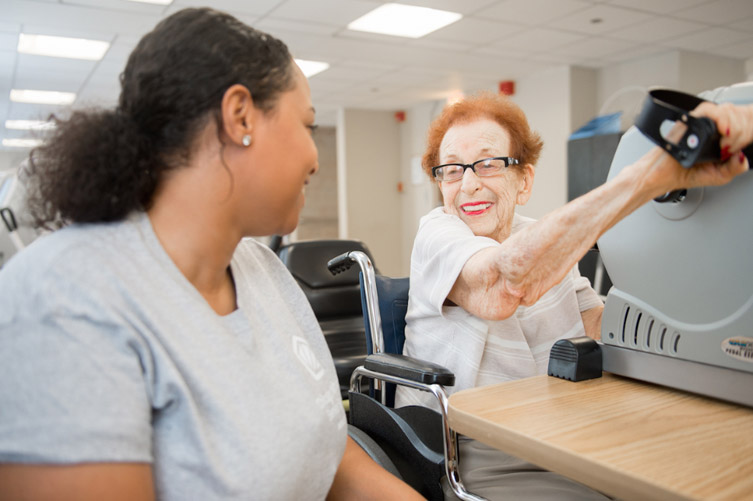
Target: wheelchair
<point>335,299</point>
<point>414,440</point>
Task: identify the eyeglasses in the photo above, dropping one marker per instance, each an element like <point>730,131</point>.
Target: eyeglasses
<point>483,167</point>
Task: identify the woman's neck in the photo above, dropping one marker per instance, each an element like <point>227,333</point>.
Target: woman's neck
<point>193,224</point>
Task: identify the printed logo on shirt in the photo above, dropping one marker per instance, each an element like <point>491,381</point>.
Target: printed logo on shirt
<point>306,356</point>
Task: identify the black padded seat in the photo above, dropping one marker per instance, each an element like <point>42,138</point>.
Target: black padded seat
<point>335,299</point>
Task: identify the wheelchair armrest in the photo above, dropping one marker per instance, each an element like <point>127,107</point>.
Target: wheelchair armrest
<point>409,368</point>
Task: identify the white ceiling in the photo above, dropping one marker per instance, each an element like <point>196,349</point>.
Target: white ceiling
<point>496,40</point>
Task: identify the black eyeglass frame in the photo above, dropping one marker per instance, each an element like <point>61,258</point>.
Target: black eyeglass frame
<point>508,162</point>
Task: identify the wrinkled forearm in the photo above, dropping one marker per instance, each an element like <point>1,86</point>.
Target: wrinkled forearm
<point>526,265</point>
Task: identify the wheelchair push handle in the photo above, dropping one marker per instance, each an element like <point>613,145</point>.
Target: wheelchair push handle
<point>344,261</point>
<point>340,263</point>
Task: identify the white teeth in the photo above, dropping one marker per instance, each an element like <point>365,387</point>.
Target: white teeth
<point>477,207</point>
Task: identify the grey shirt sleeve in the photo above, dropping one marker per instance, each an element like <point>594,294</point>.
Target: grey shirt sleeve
<point>72,387</point>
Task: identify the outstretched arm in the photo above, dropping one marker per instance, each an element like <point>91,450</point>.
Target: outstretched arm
<point>495,281</point>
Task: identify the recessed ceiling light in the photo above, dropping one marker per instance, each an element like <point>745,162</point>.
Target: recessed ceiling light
<point>158,2</point>
<point>41,96</point>
<point>74,48</point>
<point>29,125</point>
<point>311,68</point>
<point>22,143</point>
<point>404,20</point>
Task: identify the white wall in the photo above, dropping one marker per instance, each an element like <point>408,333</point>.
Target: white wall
<point>420,194</point>
<point>545,99</point>
<point>369,170</point>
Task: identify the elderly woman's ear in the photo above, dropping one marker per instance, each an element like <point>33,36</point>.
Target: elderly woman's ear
<point>525,176</point>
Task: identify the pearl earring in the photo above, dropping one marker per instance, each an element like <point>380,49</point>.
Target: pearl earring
<point>246,140</point>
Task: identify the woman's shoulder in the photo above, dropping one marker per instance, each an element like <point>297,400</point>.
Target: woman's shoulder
<point>59,248</point>
<point>65,259</point>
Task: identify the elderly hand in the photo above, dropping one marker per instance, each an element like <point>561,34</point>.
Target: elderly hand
<point>734,123</point>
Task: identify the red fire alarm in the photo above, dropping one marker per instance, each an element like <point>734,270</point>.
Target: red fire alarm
<point>400,116</point>
<point>507,87</point>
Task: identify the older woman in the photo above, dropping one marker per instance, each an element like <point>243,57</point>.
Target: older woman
<point>491,291</point>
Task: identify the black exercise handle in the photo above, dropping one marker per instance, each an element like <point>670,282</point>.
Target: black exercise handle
<point>340,263</point>
<point>699,143</point>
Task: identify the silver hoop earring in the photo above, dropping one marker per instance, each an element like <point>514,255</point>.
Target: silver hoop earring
<point>246,140</point>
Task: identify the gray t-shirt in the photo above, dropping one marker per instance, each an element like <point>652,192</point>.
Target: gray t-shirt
<point>108,353</point>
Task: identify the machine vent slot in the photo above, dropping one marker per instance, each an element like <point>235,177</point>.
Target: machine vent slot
<point>624,324</point>
<point>637,328</point>
<point>662,335</point>
<point>648,333</point>
<point>675,343</point>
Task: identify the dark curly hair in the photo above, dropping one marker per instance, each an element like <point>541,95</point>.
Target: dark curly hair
<point>99,165</point>
<point>525,144</point>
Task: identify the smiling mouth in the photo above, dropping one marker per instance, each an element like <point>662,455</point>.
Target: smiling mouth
<point>474,209</point>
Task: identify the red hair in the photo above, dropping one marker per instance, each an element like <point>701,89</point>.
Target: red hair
<point>525,144</point>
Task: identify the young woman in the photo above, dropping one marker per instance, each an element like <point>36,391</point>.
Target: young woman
<point>147,350</point>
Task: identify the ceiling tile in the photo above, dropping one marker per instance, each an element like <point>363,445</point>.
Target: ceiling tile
<point>51,73</point>
<point>670,7</point>
<point>657,29</point>
<point>238,8</point>
<point>718,12</point>
<point>8,63</point>
<point>10,27</point>
<point>595,47</point>
<point>273,26</point>
<point>436,44</point>
<point>538,39</point>
<point>470,30</point>
<point>532,12</point>
<point>742,50</point>
<point>709,38</point>
<point>119,5</point>
<point>25,111</point>
<point>635,52</point>
<point>330,12</point>
<point>600,19</point>
<point>8,41</point>
<point>74,20</point>
<point>352,72</point>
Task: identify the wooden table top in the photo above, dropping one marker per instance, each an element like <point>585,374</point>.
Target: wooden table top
<point>629,439</point>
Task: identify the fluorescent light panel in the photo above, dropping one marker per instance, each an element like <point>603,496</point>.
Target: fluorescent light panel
<point>22,143</point>
<point>73,48</point>
<point>404,20</point>
<point>311,68</point>
<point>41,96</point>
<point>29,125</point>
